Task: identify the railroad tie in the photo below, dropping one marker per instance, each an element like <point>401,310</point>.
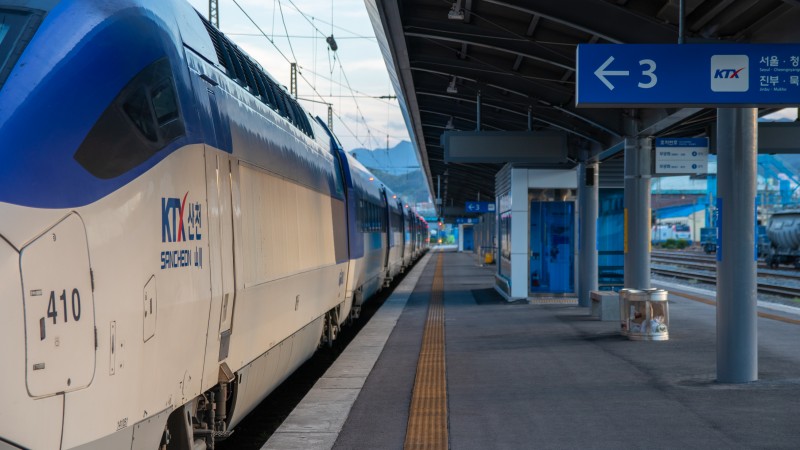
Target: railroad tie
<point>427,416</point>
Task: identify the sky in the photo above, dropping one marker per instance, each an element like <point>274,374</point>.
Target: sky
<point>357,65</point>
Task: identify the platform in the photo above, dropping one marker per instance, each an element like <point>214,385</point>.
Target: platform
<point>548,376</point>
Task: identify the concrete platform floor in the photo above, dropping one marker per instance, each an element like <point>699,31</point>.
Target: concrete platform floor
<point>548,376</point>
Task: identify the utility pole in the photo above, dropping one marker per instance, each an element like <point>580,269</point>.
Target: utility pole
<point>213,12</point>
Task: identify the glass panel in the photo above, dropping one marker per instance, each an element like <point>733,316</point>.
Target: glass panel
<point>536,261</point>
<point>610,245</point>
<point>552,259</point>
<point>505,245</point>
<point>138,110</point>
<point>558,218</point>
<point>12,25</point>
<point>164,104</point>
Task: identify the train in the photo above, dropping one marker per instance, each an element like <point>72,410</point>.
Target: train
<point>178,235</point>
<point>783,243</point>
<point>675,231</point>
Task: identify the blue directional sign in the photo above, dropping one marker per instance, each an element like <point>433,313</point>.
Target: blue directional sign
<point>479,207</point>
<point>460,220</point>
<point>711,75</point>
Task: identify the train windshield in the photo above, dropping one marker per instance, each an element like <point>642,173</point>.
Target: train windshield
<point>16,29</point>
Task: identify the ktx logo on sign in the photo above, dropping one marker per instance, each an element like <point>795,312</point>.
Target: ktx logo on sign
<point>730,73</point>
<point>173,211</point>
<point>181,221</point>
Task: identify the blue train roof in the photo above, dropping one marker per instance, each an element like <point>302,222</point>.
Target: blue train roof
<point>83,55</point>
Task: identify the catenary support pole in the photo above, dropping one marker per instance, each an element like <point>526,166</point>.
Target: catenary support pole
<point>737,328</point>
<point>637,213</point>
<point>587,242</point>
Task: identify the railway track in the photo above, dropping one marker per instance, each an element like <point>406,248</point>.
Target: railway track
<point>706,262</point>
<point>703,268</point>
<point>766,288</point>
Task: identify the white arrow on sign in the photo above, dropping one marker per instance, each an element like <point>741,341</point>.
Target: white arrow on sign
<point>601,73</point>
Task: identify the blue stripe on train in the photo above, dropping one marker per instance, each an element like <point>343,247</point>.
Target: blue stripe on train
<point>42,125</point>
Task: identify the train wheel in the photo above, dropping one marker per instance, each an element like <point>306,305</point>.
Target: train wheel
<point>178,434</point>
<point>331,331</point>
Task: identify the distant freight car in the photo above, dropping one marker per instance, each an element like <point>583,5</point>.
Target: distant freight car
<point>708,239</point>
<point>783,231</point>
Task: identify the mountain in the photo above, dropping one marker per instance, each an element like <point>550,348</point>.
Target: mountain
<point>397,160</point>
<point>398,169</point>
<point>411,185</point>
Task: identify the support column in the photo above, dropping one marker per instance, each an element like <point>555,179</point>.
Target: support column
<point>737,328</point>
<point>587,234</point>
<point>637,213</point>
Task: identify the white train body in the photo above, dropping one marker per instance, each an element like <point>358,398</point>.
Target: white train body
<point>181,258</point>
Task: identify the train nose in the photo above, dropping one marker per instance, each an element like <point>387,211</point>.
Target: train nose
<point>22,417</point>
<point>58,307</point>
<point>12,323</point>
<point>39,336</point>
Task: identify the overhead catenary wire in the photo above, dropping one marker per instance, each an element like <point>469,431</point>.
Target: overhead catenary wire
<point>262,31</point>
<point>341,67</point>
<point>355,135</point>
<point>306,16</point>
<point>289,41</point>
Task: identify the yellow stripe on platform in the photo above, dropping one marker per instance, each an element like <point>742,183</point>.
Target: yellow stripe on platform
<point>427,417</point>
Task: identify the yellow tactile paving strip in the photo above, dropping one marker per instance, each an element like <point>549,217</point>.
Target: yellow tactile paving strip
<point>427,418</point>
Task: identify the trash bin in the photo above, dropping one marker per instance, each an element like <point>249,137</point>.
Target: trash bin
<point>644,314</point>
<point>624,307</point>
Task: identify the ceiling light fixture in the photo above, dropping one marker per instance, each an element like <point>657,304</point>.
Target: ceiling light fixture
<point>451,88</point>
<point>456,13</point>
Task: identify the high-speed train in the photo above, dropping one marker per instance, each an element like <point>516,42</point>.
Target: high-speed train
<point>177,234</point>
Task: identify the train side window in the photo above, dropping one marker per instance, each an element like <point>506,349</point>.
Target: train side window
<point>270,89</point>
<point>360,215</point>
<point>289,113</point>
<point>143,119</point>
<point>165,107</point>
<point>164,104</point>
<point>337,174</point>
<point>138,110</point>
<point>284,104</point>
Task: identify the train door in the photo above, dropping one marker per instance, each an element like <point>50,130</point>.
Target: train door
<point>220,198</point>
<point>387,230</point>
<point>552,238</point>
<point>222,194</point>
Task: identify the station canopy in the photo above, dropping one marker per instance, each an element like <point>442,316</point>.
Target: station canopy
<point>520,55</point>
